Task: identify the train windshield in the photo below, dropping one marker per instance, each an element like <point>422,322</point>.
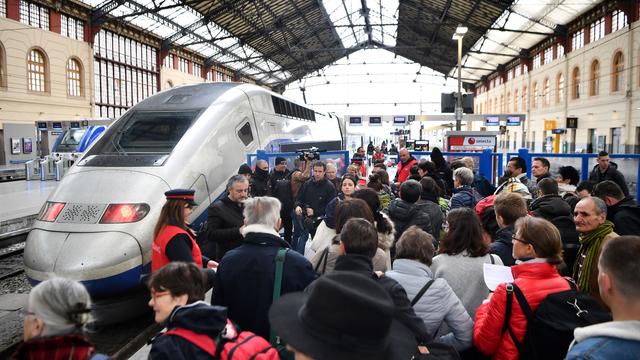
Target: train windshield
<point>142,138</point>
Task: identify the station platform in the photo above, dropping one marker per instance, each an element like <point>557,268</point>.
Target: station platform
<point>21,201</point>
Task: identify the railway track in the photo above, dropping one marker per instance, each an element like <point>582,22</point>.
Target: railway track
<point>11,263</point>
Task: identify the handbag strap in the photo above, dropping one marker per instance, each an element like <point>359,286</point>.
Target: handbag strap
<point>526,309</point>
<point>493,262</point>
<point>277,284</point>
<point>323,261</point>
<point>421,292</point>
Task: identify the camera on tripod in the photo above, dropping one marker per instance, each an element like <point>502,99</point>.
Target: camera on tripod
<point>309,154</point>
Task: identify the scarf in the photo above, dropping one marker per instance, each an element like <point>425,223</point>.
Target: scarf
<point>590,244</point>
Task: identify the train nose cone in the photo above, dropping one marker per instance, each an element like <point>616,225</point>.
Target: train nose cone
<point>107,263</point>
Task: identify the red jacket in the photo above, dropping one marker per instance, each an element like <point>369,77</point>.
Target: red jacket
<point>536,280</point>
<point>403,171</point>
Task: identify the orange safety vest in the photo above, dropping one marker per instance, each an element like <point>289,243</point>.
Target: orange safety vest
<point>159,247</point>
<point>403,171</point>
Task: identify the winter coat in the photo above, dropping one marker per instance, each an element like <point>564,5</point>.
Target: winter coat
<point>316,195</point>
<point>465,276</point>
<point>482,185</point>
<point>274,176</point>
<point>402,172</point>
<point>625,216</point>
<point>245,278</point>
<point>549,207</point>
<point>529,183</point>
<point>62,347</point>
<point>260,183</point>
<point>502,245</point>
<point>618,340</point>
<point>404,215</point>
<point>435,216</point>
<point>438,305</point>
<point>198,317</point>
<point>403,311</point>
<point>536,280</point>
<point>463,197</point>
<point>325,263</point>
<point>223,227</point>
<point>580,257</point>
<point>323,237</point>
<point>612,174</point>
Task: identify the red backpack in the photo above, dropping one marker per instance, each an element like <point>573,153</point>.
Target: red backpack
<point>230,345</point>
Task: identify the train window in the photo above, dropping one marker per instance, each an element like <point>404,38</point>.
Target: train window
<point>146,132</point>
<point>245,134</point>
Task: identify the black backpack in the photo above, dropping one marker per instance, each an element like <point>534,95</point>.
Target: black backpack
<point>550,327</point>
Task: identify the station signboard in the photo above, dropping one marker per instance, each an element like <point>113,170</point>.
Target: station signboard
<point>471,143</point>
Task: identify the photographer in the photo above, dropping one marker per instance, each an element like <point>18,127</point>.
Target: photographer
<point>312,201</point>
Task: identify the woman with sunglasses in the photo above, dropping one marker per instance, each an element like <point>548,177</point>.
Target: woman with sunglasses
<point>537,249</point>
<point>173,239</point>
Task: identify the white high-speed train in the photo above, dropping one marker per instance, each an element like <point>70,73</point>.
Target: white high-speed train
<point>97,226</point>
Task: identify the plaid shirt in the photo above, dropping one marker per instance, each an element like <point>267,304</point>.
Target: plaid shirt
<point>68,347</point>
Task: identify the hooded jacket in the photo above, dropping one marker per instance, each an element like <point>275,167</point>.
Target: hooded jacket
<point>198,317</point>
<point>435,216</point>
<point>536,280</point>
<point>245,278</point>
<point>610,340</point>
<point>549,207</point>
<point>439,305</point>
<point>612,174</point>
<point>404,215</point>
<point>625,216</point>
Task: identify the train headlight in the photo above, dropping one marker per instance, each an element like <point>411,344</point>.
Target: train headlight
<point>50,211</point>
<point>124,213</point>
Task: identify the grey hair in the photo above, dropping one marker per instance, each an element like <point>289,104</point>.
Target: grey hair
<point>260,162</point>
<point>600,205</point>
<point>464,175</point>
<point>63,305</point>
<point>264,210</point>
<point>331,164</point>
<point>236,179</point>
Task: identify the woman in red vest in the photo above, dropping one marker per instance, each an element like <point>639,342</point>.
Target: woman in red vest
<point>173,239</point>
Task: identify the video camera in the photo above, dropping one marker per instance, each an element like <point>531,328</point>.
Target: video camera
<point>310,154</point>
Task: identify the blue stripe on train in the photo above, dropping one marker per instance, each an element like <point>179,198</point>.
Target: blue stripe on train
<point>113,285</point>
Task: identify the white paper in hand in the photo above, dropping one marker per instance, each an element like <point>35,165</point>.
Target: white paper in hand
<point>495,275</point>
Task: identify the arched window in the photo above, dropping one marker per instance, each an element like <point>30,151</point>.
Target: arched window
<point>575,83</point>
<point>508,110</point>
<point>525,99</point>
<point>559,88</point>
<point>546,92</point>
<point>534,102</point>
<point>501,104</point>
<point>515,100</point>
<point>617,72</point>
<point>594,78</point>
<point>37,71</point>
<point>74,78</point>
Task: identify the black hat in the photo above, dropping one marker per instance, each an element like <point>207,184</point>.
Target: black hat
<point>342,315</point>
<point>280,160</point>
<point>182,194</point>
<point>245,169</point>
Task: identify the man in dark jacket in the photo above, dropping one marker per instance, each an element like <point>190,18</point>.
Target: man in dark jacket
<point>622,210</point>
<point>540,169</point>
<point>549,204</point>
<point>314,195</point>
<point>225,219</point>
<point>606,170</point>
<point>280,173</point>
<point>404,212</point>
<point>246,275</point>
<point>260,181</point>
<point>358,245</point>
<point>508,207</point>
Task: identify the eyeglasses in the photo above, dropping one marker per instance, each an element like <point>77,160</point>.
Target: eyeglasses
<point>24,313</point>
<point>157,294</point>
<point>513,237</point>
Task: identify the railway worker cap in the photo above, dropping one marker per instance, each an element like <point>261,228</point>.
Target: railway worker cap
<point>182,194</point>
<point>342,315</point>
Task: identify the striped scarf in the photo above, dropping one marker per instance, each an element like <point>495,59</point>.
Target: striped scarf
<point>590,244</point>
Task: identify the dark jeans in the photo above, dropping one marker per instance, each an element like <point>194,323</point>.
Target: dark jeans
<point>287,225</point>
<point>300,233</point>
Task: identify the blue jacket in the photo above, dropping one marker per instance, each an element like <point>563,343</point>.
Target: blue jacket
<point>463,197</point>
<point>503,247</point>
<point>245,278</point>
<point>619,340</point>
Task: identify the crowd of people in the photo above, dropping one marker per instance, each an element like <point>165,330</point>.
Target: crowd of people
<point>311,265</point>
